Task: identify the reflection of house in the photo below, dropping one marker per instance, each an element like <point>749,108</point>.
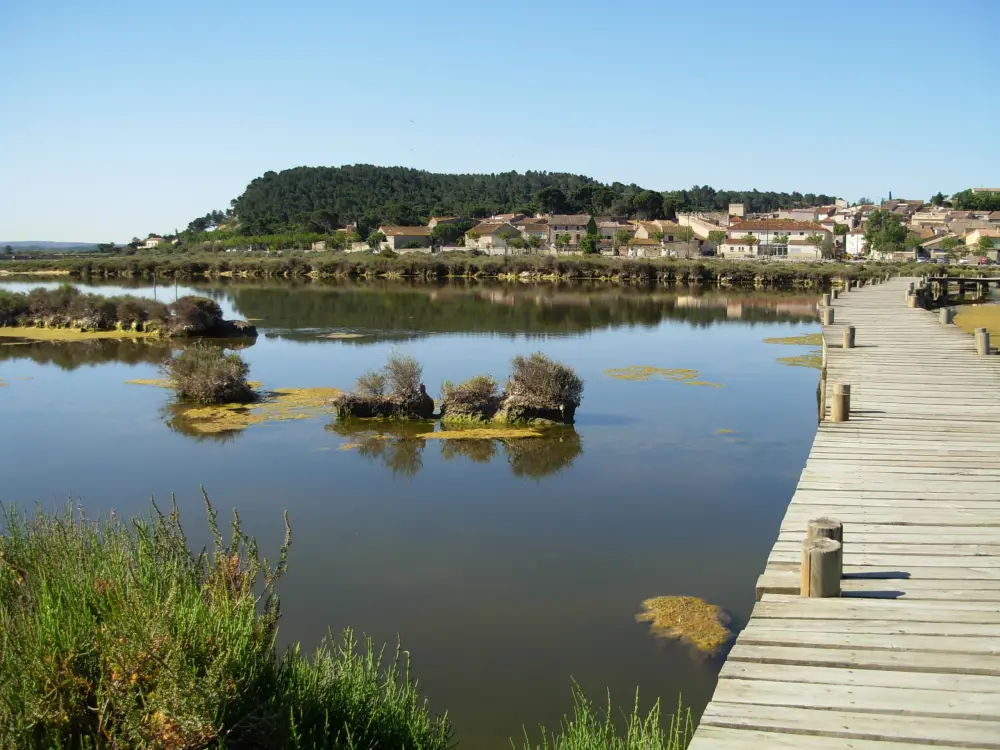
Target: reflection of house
<point>493,238</point>
<point>403,239</point>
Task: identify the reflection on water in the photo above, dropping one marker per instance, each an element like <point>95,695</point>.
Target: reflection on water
<point>444,544</point>
<point>71,355</point>
<point>400,447</point>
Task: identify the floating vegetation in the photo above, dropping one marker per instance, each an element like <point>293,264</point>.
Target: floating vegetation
<point>725,431</point>
<point>644,373</point>
<point>2,383</point>
<point>807,339</point>
<point>341,335</point>
<point>971,317</point>
<point>156,382</point>
<point>686,618</point>
<point>813,359</point>
<point>273,406</point>
<point>71,334</point>
<point>486,433</point>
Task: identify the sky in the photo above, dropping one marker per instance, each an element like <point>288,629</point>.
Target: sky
<point>118,119</point>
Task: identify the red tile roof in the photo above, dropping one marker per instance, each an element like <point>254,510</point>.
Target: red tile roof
<point>775,225</point>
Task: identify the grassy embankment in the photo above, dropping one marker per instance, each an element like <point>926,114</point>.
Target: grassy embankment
<point>450,265</point>
<point>115,635</point>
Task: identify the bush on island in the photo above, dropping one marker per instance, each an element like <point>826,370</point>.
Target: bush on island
<point>394,392</point>
<point>540,390</point>
<point>475,400</point>
<point>204,374</point>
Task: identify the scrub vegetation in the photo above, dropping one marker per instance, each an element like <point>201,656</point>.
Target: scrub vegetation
<point>115,635</point>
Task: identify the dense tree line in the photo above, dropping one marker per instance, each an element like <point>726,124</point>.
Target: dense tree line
<point>319,199</point>
<point>969,201</point>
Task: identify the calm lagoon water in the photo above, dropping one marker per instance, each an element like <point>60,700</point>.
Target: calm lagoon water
<point>506,574</point>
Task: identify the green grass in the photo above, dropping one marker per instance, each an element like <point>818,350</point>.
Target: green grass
<point>114,635</point>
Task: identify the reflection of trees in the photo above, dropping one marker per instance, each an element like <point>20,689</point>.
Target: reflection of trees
<point>541,309</point>
<point>395,445</point>
<point>70,355</point>
<point>398,447</point>
<point>542,457</point>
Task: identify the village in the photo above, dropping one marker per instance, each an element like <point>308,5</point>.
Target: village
<point>834,232</point>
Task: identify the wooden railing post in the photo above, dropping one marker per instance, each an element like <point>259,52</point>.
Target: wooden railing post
<point>822,567</point>
<point>946,315</point>
<point>828,316</point>
<point>826,299</point>
<point>835,293</point>
<point>840,406</point>
<point>848,337</point>
<point>982,341</point>
<point>911,300</point>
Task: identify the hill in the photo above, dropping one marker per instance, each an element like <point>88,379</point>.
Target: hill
<point>321,198</point>
<point>49,246</point>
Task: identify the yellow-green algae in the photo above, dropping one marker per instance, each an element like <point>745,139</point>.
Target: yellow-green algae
<point>485,433</point>
<point>279,405</point>
<point>72,334</point>
<point>971,317</point>
<point>644,372</point>
<point>813,359</point>
<point>807,339</point>
<point>156,382</point>
<point>338,335</point>
<point>688,619</point>
<point>724,431</point>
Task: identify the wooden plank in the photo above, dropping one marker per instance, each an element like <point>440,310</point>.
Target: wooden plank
<point>860,658</point>
<point>851,725</point>
<point>764,635</point>
<point>725,738</point>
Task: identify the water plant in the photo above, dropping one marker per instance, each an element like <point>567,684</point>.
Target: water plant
<point>205,374</point>
<point>590,728</point>
<point>115,635</point>
<point>688,619</point>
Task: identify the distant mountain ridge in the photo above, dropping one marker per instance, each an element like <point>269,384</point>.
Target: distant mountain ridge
<point>47,245</point>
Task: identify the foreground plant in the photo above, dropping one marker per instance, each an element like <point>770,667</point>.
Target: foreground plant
<point>205,374</point>
<point>592,729</point>
<point>113,634</point>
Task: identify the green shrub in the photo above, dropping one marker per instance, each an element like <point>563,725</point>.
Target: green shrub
<point>115,635</point>
<point>205,374</point>
<point>195,315</point>
<point>475,399</point>
<point>371,384</point>
<point>402,377</point>
<point>542,381</point>
<point>592,729</point>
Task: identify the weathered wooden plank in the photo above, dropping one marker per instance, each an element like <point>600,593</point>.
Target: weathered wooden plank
<point>725,738</point>
<point>764,635</point>
<point>900,661</point>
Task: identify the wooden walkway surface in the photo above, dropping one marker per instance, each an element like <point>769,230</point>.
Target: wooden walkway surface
<point>910,655</point>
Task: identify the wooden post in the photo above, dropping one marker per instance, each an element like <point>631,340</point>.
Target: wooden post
<point>825,528</point>
<point>911,300</point>
<point>848,337</point>
<point>824,352</point>
<point>822,567</point>
<point>946,315</point>
<point>982,341</point>
<point>828,316</point>
<point>840,406</point>
<point>826,299</point>
<point>835,293</point>
<point>910,288</point>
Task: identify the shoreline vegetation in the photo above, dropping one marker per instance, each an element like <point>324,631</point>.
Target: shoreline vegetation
<point>67,314</point>
<point>116,635</point>
<point>421,266</point>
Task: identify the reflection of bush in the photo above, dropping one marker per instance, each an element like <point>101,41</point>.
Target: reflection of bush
<point>399,447</point>
<point>542,457</point>
<point>71,355</point>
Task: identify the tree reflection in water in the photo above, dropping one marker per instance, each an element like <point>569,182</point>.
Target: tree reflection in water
<point>399,447</point>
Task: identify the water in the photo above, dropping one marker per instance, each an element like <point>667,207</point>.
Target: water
<point>505,574</point>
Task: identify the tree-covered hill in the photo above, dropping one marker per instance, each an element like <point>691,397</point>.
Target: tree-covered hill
<point>322,198</point>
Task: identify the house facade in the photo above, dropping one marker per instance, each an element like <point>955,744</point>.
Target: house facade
<point>150,242</point>
<point>574,225</point>
<point>493,238</point>
<point>406,239</point>
<point>767,234</point>
<point>856,246</point>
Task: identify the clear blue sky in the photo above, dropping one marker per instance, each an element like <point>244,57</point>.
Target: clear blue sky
<point>122,118</point>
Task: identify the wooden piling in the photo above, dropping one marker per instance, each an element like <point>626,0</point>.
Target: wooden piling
<point>946,315</point>
<point>826,299</point>
<point>840,405</point>
<point>848,342</point>
<point>911,300</point>
<point>828,316</point>
<point>822,567</point>
<point>982,341</point>
<point>835,293</point>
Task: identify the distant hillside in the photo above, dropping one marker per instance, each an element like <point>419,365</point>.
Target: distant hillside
<point>323,197</point>
<point>49,246</point>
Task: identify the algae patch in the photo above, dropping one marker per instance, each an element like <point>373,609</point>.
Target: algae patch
<point>688,619</point>
<point>969,318</point>
<point>71,334</point>
<point>813,359</point>
<point>273,406</point>
<point>725,431</point>
<point>808,339</point>
<point>645,372</point>
<point>487,433</point>
<point>341,335</point>
<point>156,382</point>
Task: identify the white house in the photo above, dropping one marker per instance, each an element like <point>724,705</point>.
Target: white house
<point>856,246</point>
<point>403,239</point>
<point>150,242</point>
<point>493,238</point>
<point>773,238</point>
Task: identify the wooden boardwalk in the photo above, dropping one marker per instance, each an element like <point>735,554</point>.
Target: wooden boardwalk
<point>910,655</point>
